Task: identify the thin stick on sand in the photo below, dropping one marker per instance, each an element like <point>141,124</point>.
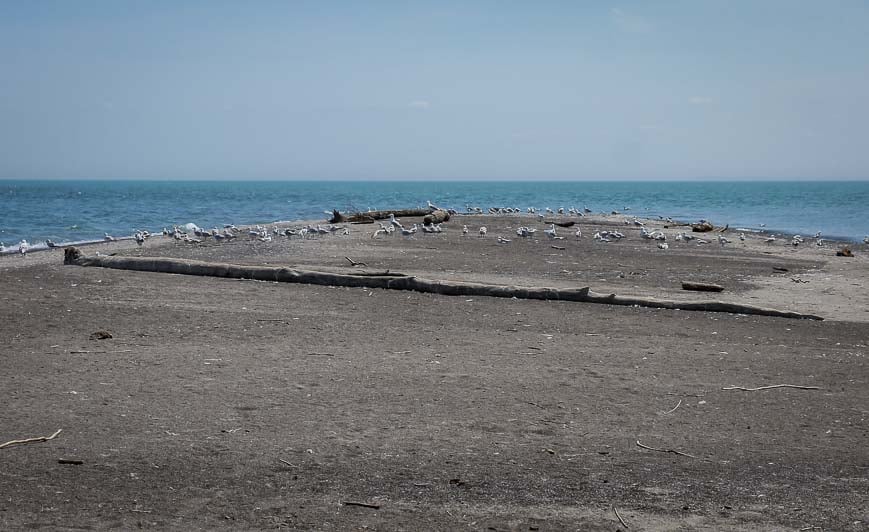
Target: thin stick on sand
<point>622,521</point>
<point>31,440</point>
<point>770,387</point>
<point>680,453</point>
<point>355,263</point>
<point>674,408</point>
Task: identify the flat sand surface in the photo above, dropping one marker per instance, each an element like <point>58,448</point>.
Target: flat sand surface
<point>228,404</point>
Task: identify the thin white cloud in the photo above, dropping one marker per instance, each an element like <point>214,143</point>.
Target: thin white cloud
<point>420,104</point>
<point>701,100</point>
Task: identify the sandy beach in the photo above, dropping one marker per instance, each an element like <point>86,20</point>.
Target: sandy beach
<point>233,404</point>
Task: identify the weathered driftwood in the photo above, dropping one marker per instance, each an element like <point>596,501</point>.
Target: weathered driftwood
<point>437,216</point>
<point>702,287</point>
<point>569,223</point>
<point>398,281</point>
<point>370,216</point>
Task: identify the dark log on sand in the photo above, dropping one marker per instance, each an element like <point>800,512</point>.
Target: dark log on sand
<point>560,224</point>
<point>398,281</point>
<point>436,217</point>
<point>702,287</point>
<point>370,216</point>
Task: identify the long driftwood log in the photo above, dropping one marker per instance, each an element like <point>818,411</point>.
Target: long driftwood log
<point>398,281</point>
<point>370,216</point>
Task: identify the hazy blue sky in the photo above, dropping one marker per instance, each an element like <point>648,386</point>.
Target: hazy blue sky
<point>404,90</point>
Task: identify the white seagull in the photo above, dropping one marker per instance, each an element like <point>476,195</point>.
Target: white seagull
<point>483,231</point>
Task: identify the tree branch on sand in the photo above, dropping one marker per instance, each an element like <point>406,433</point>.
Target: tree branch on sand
<point>398,281</point>
<point>30,440</point>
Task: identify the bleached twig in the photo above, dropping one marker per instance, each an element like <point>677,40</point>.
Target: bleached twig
<point>31,440</point>
<point>773,386</point>
<point>622,521</point>
<point>674,408</point>
<point>680,453</point>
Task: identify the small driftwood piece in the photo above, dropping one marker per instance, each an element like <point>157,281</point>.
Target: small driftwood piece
<point>437,216</point>
<point>370,216</point>
<point>355,263</point>
<point>770,387</point>
<point>398,281</point>
<point>31,440</point>
<point>569,223</point>
<point>680,453</point>
<point>362,504</point>
<point>702,287</point>
<point>70,461</point>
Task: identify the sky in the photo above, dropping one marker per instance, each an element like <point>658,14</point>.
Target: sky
<point>690,89</point>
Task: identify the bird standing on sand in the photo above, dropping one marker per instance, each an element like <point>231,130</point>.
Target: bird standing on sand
<point>464,230</point>
<point>23,246</point>
<point>140,238</point>
<point>551,233</point>
<point>502,240</point>
<point>109,238</point>
<point>409,232</point>
<point>483,231</point>
<point>578,234</point>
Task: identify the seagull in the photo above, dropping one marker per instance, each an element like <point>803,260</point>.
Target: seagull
<point>140,238</point>
<point>379,232</point>
<point>409,232</point>
<point>395,223</point>
<point>50,243</point>
<point>742,237</point>
<point>770,240</point>
<point>109,238</point>
<point>551,233</point>
<point>722,240</point>
<point>23,246</point>
<point>502,240</point>
<point>866,239</point>
<point>464,230</point>
<point>578,234</point>
<point>663,245</point>
<point>483,231</point>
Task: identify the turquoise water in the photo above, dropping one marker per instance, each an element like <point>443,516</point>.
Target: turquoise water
<point>79,210</point>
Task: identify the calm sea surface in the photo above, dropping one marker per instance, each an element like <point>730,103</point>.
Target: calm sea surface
<point>79,210</point>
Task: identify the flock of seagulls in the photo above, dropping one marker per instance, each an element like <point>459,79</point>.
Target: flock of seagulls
<point>190,233</point>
